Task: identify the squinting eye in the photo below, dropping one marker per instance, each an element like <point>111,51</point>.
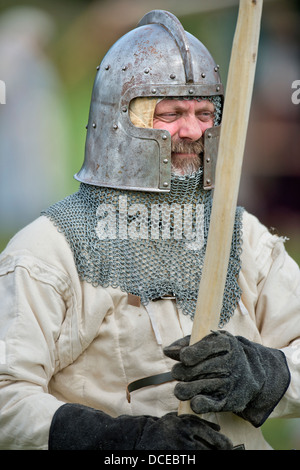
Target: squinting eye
<point>206,116</point>
<point>166,116</point>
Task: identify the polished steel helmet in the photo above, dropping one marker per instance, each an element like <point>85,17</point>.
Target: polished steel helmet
<point>156,59</point>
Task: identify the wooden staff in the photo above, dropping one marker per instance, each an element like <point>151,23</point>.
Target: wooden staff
<point>228,171</point>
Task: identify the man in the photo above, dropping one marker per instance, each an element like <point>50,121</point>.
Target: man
<point>98,294</point>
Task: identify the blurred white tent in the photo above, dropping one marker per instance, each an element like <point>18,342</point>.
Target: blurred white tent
<point>32,120</point>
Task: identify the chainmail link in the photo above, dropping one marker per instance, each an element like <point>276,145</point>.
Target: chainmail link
<point>147,244</point>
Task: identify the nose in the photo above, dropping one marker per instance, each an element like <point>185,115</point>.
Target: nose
<point>190,127</point>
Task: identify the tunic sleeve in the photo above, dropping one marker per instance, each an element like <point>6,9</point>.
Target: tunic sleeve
<point>278,308</point>
<point>32,310</point>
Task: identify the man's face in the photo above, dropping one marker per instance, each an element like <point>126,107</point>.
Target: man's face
<point>186,120</point>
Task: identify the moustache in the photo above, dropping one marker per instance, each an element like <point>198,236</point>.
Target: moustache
<point>186,146</point>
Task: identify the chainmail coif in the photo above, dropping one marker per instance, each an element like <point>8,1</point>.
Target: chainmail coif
<point>147,244</point>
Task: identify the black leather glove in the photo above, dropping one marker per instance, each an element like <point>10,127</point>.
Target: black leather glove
<point>78,427</point>
<point>223,372</point>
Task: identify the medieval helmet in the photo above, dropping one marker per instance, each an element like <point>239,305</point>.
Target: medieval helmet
<point>156,59</point>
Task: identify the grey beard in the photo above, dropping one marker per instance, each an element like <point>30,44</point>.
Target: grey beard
<point>186,165</point>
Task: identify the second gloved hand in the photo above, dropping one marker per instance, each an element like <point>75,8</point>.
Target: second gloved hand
<point>223,372</point>
<point>78,427</point>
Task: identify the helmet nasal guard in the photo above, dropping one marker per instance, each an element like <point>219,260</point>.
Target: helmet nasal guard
<point>156,59</point>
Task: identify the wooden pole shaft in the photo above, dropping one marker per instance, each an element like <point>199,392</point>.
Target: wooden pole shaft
<point>228,171</point>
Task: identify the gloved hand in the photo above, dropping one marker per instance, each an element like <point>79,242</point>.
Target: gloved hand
<point>78,427</point>
<point>223,372</point>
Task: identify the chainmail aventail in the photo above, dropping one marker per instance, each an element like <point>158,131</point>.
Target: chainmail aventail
<point>147,244</point>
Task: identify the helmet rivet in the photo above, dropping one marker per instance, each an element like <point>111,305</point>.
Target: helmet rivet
<point>172,76</point>
<point>115,126</point>
<point>208,181</point>
<point>107,67</point>
<point>153,91</point>
<point>124,68</point>
<point>94,125</point>
<point>147,70</point>
<point>166,184</point>
<point>124,109</point>
<point>191,92</point>
<point>207,160</point>
<point>98,67</point>
<point>217,68</point>
<point>209,136</point>
<point>166,160</point>
<point>164,137</point>
<point>203,75</point>
<point>218,88</point>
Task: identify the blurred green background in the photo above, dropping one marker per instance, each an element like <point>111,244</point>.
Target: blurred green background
<point>48,57</point>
